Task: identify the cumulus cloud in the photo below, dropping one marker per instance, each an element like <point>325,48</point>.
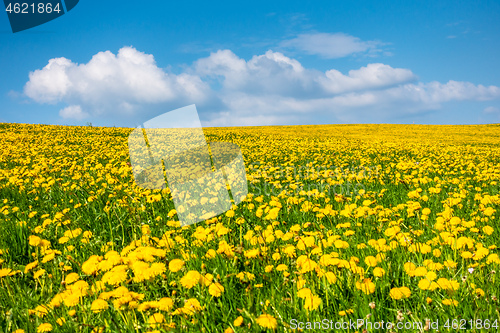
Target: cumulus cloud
<point>73,112</point>
<point>267,89</point>
<point>280,90</point>
<point>51,83</point>
<point>373,76</point>
<point>491,109</point>
<point>332,46</point>
<point>270,73</point>
<point>274,73</point>
<point>110,82</point>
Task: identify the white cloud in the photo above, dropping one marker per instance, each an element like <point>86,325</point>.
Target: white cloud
<point>51,83</point>
<point>372,76</point>
<point>112,82</point>
<point>293,94</point>
<point>331,46</point>
<point>274,73</point>
<point>270,88</point>
<point>269,73</point>
<point>491,109</point>
<point>73,112</point>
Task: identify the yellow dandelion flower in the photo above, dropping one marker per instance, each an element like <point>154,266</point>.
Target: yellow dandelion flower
<point>489,211</point>
<point>190,279</point>
<point>378,271</point>
<point>45,327</point>
<point>41,311</point>
<point>34,240</point>
<point>409,268</point>
<point>48,257</point>
<point>207,279</point>
<point>371,261</point>
<point>155,319</point>
<point>331,277</point>
<point>488,230</point>
<point>312,302</point>
<point>90,267</point>
<point>466,255</point>
<point>340,244</point>
<point>238,321</point>
<point>71,300</point>
<point>306,264</point>
<point>304,292</point>
<point>216,289</point>
<point>5,272</point>
<point>424,284</point>
<point>80,287</point>
<point>481,252</point>
<point>157,268</point>
<point>165,304</point>
<point>99,305</point>
<point>420,271</point>
<point>39,273</point>
<point>450,264</point>
<point>145,229</point>
<point>210,254</point>
<point>252,253</point>
<point>346,312</point>
<point>450,302</point>
<point>267,321</point>
<point>30,266</point>
<point>72,277</point>
<point>366,286</point>
<point>63,240</point>
<point>493,258</point>
<point>116,275</point>
<point>176,265</point>
<point>479,292</point>
<point>245,276</point>
<point>192,305</point>
<point>281,267</point>
<point>431,276</point>
<point>399,293</point>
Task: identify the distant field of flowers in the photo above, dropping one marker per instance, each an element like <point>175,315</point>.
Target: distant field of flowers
<point>342,224</point>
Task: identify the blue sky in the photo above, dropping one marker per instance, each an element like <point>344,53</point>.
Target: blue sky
<point>260,63</point>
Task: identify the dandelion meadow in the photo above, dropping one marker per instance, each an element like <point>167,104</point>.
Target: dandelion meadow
<point>393,223</point>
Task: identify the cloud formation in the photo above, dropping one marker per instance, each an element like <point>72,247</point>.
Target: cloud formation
<point>280,90</point>
<point>111,82</point>
<point>332,46</point>
<point>373,76</point>
<point>491,109</point>
<point>73,112</point>
<point>267,89</point>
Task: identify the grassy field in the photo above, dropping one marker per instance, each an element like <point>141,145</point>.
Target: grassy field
<point>343,224</point>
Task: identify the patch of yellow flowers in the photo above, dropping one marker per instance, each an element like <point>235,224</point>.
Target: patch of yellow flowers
<point>421,226</point>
